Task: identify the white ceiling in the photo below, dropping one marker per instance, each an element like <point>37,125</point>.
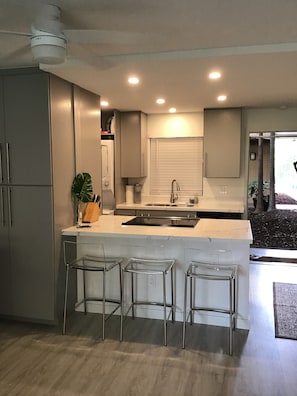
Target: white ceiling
<point>171,45</point>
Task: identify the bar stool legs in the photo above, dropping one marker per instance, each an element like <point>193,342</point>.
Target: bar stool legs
<point>90,258</point>
<point>144,267</point>
<point>197,272</point>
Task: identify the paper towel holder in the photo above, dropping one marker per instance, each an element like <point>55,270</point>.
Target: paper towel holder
<point>129,194</point>
<point>137,193</point>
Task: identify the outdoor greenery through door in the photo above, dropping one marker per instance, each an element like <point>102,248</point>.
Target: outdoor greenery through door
<point>273,157</point>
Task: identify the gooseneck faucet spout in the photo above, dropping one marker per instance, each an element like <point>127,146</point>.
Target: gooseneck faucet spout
<point>174,195</point>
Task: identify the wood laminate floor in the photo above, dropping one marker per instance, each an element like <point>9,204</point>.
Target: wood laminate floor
<point>38,360</point>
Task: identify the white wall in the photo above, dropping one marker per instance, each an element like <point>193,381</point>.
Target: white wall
<point>191,124</point>
<point>271,119</point>
<point>175,125</point>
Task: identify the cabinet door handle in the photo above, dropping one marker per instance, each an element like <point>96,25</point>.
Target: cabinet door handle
<point>8,162</point>
<point>9,207</point>
<point>2,207</point>
<point>1,170</point>
<point>205,165</point>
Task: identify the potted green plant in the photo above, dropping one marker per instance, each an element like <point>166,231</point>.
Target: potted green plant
<point>82,192</point>
<point>253,190</point>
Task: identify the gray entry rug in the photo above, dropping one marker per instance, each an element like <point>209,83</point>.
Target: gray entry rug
<point>285,310</point>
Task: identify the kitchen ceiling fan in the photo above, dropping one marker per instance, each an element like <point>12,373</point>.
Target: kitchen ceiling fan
<point>48,40</point>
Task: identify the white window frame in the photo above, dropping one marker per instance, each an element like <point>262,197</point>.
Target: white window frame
<point>179,158</point>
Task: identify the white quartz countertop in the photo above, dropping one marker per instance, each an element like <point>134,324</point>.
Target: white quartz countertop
<point>203,206</point>
<point>206,228</point>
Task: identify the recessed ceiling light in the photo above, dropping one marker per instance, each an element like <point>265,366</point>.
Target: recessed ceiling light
<point>172,110</point>
<point>221,98</point>
<point>214,75</point>
<point>160,101</point>
<point>133,80</point>
<point>104,103</point>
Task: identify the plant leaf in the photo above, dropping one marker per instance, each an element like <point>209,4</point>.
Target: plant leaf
<point>82,187</point>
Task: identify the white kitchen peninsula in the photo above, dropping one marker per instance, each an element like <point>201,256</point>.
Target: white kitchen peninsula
<point>207,235</point>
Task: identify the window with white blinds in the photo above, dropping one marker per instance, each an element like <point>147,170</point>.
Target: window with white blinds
<point>176,158</point>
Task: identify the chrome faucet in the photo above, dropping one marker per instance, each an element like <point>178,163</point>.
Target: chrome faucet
<point>174,195</point>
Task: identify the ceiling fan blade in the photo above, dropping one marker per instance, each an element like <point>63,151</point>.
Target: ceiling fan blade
<point>88,57</point>
<point>21,51</point>
<point>101,64</point>
<point>103,36</point>
<point>22,56</point>
<point>14,33</point>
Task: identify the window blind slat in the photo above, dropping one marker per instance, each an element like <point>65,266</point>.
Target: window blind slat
<point>176,158</point>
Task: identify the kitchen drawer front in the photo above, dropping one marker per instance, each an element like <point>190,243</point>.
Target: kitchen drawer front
<point>219,215</point>
<point>125,212</point>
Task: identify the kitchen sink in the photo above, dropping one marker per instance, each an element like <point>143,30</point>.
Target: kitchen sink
<point>168,204</point>
<point>162,221</point>
<point>161,204</point>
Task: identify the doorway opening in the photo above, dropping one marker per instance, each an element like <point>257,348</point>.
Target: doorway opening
<point>275,228</point>
<point>285,172</point>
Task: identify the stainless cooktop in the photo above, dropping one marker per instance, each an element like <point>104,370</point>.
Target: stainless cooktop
<point>162,221</point>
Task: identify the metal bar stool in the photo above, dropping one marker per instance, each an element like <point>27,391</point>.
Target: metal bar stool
<point>91,258</point>
<point>214,271</point>
<point>144,265</point>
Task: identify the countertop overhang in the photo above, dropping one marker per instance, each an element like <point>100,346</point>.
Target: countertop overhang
<point>239,230</point>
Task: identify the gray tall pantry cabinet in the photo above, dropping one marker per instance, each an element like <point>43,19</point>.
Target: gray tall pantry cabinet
<point>37,147</point>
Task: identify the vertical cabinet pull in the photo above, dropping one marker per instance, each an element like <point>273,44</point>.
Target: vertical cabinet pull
<point>9,206</point>
<point>8,162</point>
<point>1,170</point>
<point>2,207</point>
<point>205,164</point>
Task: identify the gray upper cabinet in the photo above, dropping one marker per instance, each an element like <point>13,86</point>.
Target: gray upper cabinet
<point>222,141</point>
<point>86,121</point>
<point>26,108</point>
<point>133,144</point>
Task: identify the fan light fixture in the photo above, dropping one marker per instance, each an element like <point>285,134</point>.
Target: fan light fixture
<point>48,48</point>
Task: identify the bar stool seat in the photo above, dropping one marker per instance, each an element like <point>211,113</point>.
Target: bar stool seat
<point>91,258</point>
<point>199,272</point>
<point>143,266</point>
